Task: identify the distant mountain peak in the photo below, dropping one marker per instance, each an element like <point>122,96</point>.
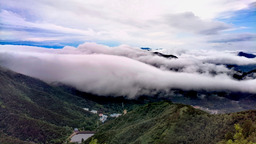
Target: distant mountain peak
<point>165,55</point>
<point>146,48</point>
<point>247,55</point>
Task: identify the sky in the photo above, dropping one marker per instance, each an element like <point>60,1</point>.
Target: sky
<point>168,24</point>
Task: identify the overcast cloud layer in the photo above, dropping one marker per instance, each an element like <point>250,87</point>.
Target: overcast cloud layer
<point>126,71</point>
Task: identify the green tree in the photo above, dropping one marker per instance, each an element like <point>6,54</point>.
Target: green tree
<point>248,128</point>
<point>238,137</point>
<point>94,141</point>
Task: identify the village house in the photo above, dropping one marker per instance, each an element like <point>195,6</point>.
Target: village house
<point>76,130</point>
<point>103,118</point>
<point>86,109</point>
<point>94,111</point>
<point>125,112</point>
<point>115,115</point>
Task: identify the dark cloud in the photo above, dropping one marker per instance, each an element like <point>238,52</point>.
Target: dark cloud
<point>234,38</point>
<point>191,23</point>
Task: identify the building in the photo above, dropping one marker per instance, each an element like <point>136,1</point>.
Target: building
<point>86,109</point>
<point>81,136</point>
<point>125,111</point>
<point>103,118</point>
<point>115,115</point>
<point>76,130</point>
<point>94,111</point>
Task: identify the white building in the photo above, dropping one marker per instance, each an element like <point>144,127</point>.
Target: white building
<point>115,115</point>
<point>94,111</point>
<point>76,130</point>
<point>103,118</point>
<point>81,136</point>
<point>86,109</point>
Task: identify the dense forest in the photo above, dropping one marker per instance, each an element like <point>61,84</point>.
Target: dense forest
<point>168,123</point>
<point>31,110</point>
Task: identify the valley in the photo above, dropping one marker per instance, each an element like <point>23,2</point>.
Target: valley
<point>35,112</point>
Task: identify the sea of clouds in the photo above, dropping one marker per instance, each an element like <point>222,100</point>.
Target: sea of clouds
<point>128,71</point>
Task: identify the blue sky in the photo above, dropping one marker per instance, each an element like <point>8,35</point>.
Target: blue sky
<point>243,18</point>
<point>200,24</point>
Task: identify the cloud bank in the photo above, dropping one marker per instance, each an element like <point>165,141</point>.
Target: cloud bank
<point>125,71</point>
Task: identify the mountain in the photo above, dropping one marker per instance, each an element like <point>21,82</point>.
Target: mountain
<point>146,48</point>
<point>164,55</point>
<point>243,71</point>
<point>158,53</point>
<point>168,123</point>
<point>247,55</point>
<point>243,75</point>
<point>221,101</point>
<point>108,104</point>
<point>242,68</point>
<point>33,111</point>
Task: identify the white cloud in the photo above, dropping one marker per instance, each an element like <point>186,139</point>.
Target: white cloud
<point>116,70</point>
<point>137,23</point>
<point>15,21</point>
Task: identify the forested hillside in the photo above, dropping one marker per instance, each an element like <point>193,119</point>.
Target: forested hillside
<point>34,111</point>
<point>168,123</point>
<point>31,110</point>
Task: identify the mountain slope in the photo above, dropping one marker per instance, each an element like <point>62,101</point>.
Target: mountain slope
<point>164,55</point>
<point>164,122</point>
<point>32,110</point>
<point>247,55</point>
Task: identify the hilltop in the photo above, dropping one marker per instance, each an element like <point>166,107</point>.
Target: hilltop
<point>247,55</point>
